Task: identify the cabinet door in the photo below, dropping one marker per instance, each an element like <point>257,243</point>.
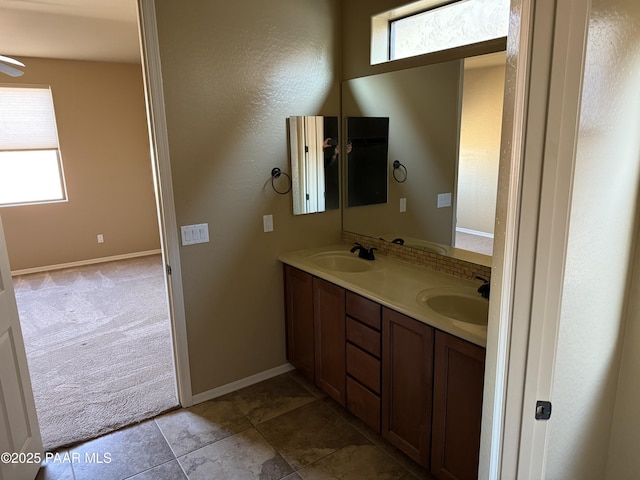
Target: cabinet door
<point>330,341</point>
<point>298,288</point>
<point>457,408</point>
<point>407,381</point>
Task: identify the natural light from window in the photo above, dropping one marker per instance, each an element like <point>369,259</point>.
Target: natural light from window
<point>30,163</point>
<point>30,176</point>
<point>460,23</point>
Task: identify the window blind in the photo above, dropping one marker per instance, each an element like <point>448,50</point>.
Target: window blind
<point>27,119</point>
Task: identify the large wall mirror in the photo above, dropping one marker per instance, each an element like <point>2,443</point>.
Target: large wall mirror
<point>444,127</point>
<point>315,164</point>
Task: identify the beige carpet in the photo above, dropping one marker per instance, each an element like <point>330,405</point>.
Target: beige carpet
<point>98,346</point>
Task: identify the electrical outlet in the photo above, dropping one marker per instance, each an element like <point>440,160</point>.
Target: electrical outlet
<point>100,238</point>
<point>444,200</point>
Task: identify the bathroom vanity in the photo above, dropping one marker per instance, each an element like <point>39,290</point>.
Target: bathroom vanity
<point>366,333</point>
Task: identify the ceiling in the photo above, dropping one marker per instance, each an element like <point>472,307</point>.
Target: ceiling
<point>100,30</point>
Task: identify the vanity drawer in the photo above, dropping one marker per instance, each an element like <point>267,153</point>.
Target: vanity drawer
<point>363,403</point>
<point>363,367</point>
<point>364,337</point>
<point>364,310</point>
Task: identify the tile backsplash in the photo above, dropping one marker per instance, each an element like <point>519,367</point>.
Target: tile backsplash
<point>442,263</point>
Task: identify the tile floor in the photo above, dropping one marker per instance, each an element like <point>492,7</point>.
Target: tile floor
<point>282,428</point>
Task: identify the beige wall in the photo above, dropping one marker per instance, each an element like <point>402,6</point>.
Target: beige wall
<point>598,261</point>
<point>423,106</point>
<point>233,72</point>
<point>103,136</point>
<point>480,129</point>
<point>623,78</point>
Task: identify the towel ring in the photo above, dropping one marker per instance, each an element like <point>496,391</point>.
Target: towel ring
<point>275,173</point>
<point>397,166</point>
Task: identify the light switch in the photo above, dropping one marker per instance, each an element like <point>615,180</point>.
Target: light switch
<point>192,234</point>
<point>267,223</point>
<point>444,200</point>
<point>403,205</point>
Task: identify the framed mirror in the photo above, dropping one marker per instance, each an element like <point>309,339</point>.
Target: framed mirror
<point>315,163</point>
<point>444,127</point>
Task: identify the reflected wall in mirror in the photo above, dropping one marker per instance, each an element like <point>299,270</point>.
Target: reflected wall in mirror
<point>429,132</point>
<point>315,164</point>
<point>367,160</point>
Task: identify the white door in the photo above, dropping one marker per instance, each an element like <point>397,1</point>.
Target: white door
<point>20,441</point>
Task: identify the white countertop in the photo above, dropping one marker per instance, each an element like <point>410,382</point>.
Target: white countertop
<point>395,284</point>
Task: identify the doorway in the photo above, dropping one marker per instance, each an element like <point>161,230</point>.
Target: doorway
<point>479,152</point>
<point>111,215</point>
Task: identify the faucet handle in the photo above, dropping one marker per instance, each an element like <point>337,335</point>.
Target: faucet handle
<point>484,289</point>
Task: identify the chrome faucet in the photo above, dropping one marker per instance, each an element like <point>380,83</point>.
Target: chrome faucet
<point>485,288</point>
<point>363,252</point>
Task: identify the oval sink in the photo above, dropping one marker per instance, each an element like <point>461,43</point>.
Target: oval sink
<point>464,305</point>
<point>342,262</point>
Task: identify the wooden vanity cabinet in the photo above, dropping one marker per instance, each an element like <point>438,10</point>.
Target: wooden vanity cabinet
<point>419,387</point>
<point>329,334</point>
<point>298,292</point>
<point>407,382</point>
<point>457,408</point>
<point>363,359</point>
<point>315,329</point>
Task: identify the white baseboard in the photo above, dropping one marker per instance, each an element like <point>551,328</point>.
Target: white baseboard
<point>474,232</point>
<point>243,382</point>
<point>80,263</point>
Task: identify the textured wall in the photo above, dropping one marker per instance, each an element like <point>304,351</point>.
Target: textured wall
<point>480,130</point>
<point>620,30</point>
<point>102,129</point>
<point>233,72</point>
<point>598,260</point>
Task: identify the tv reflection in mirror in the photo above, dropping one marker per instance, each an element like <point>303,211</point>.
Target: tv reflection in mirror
<point>367,159</point>
<point>315,165</point>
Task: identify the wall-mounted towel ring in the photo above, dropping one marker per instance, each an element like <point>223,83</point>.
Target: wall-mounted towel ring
<point>398,166</point>
<point>275,173</point>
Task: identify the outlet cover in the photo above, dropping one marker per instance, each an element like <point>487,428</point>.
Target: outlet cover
<point>444,200</point>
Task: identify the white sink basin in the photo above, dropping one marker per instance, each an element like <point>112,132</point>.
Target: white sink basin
<point>461,304</point>
<point>342,262</point>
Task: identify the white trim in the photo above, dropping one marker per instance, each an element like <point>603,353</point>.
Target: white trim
<point>80,263</point>
<point>159,141</point>
<point>474,232</point>
<point>243,382</point>
<point>563,116</point>
<point>495,457</point>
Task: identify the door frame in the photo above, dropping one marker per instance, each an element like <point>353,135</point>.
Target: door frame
<point>161,166</point>
<point>542,109</point>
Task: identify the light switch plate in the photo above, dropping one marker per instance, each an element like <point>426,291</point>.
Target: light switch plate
<point>403,205</point>
<point>192,234</point>
<point>267,223</point>
<point>444,200</point>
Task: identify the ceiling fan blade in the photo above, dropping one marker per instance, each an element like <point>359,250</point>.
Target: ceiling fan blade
<point>12,72</point>
<point>10,60</point>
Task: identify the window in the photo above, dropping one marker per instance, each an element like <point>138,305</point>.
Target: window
<point>30,160</point>
<point>424,27</point>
